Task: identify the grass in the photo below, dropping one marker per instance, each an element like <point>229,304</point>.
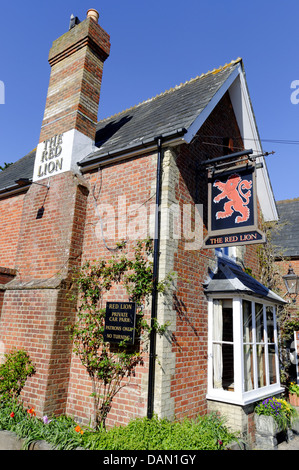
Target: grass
<point>204,433</point>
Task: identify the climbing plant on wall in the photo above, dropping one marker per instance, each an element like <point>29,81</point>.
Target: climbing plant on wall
<point>109,364</point>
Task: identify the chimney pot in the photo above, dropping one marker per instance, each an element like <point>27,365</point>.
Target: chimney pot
<point>92,13</point>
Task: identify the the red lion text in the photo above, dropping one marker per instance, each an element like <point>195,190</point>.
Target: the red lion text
<point>237,200</point>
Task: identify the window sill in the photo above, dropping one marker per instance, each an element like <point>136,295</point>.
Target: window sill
<point>247,398</point>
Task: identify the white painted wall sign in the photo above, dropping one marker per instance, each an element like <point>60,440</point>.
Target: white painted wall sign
<point>61,153</point>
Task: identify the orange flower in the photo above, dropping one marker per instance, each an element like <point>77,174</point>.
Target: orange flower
<point>78,429</point>
<point>12,415</point>
<point>31,411</point>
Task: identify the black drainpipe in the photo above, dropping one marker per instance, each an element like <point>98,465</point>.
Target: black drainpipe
<point>152,354</point>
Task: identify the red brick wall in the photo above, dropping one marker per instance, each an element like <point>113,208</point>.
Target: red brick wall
<point>36,308</point>
<point>135,179</point>
<point>118,187</point>
<point>35,320</point>
<point>49,247</point>
<point>45,243</point>
<point>189,385</point>
<point>1,301</point>
<point>10,220</point>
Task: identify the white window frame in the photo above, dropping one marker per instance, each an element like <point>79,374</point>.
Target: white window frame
<point>239,396</point>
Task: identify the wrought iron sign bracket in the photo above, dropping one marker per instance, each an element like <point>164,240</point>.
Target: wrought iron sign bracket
<point>228,160</point>
<point>219,163</point>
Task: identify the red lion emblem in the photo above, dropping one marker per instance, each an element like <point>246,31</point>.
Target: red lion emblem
<point>237,200</point>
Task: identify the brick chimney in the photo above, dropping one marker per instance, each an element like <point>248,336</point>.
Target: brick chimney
<point>52,225</point>
<point>70,117</point>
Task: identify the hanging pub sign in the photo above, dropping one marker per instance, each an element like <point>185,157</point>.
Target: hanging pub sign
<point>232,208</point>
<point>120,322</point>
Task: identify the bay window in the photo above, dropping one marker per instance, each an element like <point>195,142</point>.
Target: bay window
<point>243,361</point>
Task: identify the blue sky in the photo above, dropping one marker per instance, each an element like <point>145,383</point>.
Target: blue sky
<point>155,46</point>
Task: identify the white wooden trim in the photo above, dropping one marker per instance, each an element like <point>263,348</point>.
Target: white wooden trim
<point>246,121</point>
<point>238,349</point>
<point>266,345</point>
<point>210,344</point>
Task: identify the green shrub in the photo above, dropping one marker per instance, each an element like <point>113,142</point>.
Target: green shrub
<point>204,433</point>
<point>14,373</point>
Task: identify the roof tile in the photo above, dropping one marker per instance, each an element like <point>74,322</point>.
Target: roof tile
<point>174,109</point>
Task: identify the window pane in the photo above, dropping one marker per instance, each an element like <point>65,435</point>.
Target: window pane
<point>223,366</point>
<point>223,359</point>
<point>248,368</point>
<point>227,334</point>
<point>247,322</point>
<point>259,323</point>
<point>223,320</point>
<point>270,324</point>
<point>217,365</point>
<point>217,320</point>
<point>228,367</point>
<point>272,364</point>
<point>260,349</point>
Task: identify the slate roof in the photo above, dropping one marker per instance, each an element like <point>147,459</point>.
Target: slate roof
<point>22,168</point>
<point>230,278</point>
<point>287,238</point>
<point>168,113</point>
<point>174,110</point>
